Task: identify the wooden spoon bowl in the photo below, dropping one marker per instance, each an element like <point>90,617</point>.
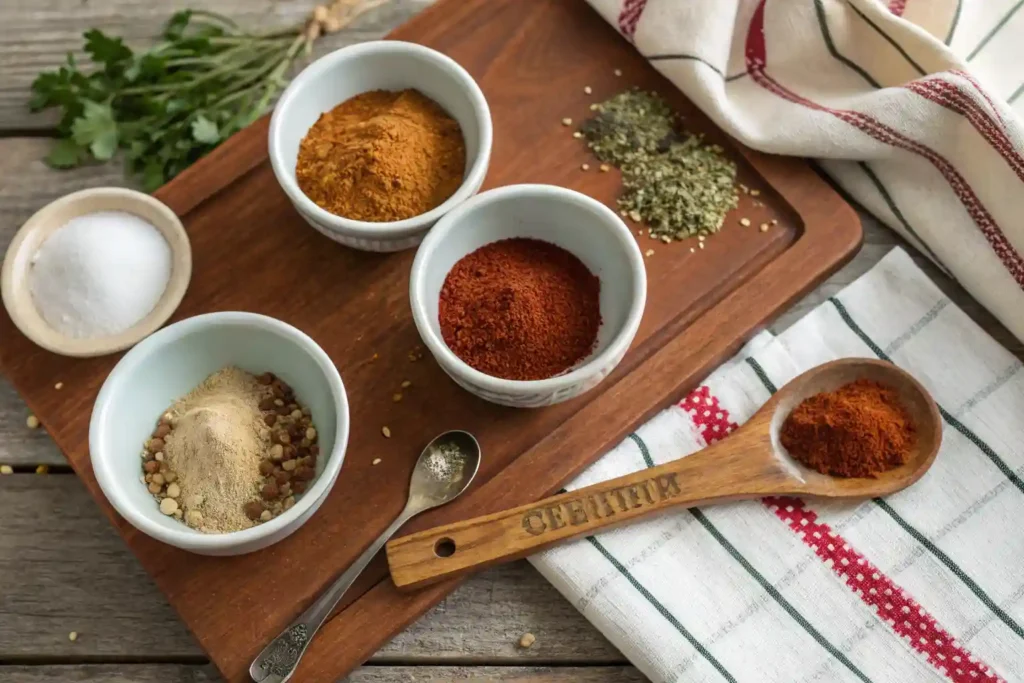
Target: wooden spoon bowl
<point>751,463</point>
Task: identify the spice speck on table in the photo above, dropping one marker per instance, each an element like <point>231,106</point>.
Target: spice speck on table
<point>859,430</point>
<point>32,422</point>
<point>520,309</point>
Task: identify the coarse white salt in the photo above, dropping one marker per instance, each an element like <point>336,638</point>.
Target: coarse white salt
<point>100,274</point>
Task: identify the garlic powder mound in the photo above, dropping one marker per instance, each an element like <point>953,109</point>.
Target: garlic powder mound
<point>215,448</point>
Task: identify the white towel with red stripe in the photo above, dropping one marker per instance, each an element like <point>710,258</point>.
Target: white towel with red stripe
<point>925,585</point>
<point>908,103</point>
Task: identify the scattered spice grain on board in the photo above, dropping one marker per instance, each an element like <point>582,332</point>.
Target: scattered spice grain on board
<point>32,422</point>
<point>520,309</point>
<point>382,156</point>
<point>859,430</point>
<point>527,640</point>
<point>234,452</point>
<point>6,469</point>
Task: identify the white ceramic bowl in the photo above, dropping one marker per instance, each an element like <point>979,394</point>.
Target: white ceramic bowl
<point>378,65</point>
<point>573,221</point>
<point>169,364</point>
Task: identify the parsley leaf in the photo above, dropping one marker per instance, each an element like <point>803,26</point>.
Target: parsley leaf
<point>96,129</point>
<point>66,153</point>
<point>205,130</point>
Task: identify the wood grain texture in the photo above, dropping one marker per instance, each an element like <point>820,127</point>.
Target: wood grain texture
<point>183,673</point>
<point>74,573</point>
<point>37,34</point>
<point>236,215</point>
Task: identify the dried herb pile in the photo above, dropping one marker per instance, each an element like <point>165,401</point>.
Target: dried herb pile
<point>674,182</point>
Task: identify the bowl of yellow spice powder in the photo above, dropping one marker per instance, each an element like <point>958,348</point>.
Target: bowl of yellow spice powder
<point>373,143</point>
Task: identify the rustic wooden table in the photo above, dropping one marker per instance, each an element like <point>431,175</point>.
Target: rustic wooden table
<point>63,569</point>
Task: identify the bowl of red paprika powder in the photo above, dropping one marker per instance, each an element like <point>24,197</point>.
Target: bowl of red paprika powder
<point>528,295</point>
<point>369,118</point>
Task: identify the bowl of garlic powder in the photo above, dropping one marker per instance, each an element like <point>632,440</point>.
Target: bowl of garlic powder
<point>187,434</point>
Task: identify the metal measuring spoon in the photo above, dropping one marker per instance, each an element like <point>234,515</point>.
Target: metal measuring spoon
<point>444,470</point>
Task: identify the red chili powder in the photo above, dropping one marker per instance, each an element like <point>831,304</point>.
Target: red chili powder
<point>859,430</point>
<point>520,309</point>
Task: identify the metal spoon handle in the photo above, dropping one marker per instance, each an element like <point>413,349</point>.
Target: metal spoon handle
<point>278,660</point>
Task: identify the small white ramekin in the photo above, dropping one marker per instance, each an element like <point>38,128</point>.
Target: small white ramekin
<point>573,221</point>
<point>378,65</point>
<point>169,364</point>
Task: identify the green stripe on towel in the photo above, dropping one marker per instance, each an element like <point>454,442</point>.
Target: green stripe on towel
<point>669,617</point>
<point>946,415</point>
<point>756,575</point>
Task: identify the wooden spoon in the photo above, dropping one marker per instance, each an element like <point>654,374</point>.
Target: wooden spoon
<point>750,463</point>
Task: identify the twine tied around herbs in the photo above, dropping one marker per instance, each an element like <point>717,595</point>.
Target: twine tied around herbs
<point>333,17</point>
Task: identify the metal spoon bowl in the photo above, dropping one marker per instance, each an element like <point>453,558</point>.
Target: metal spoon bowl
<point>444,470</point>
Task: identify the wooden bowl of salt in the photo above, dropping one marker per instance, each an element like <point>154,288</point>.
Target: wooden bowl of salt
<point>96,271</point>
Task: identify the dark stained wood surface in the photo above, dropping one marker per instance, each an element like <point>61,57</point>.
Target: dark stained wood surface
<point>253,253</point>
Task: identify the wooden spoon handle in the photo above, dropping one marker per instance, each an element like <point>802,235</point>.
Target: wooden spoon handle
<point>733,469</point>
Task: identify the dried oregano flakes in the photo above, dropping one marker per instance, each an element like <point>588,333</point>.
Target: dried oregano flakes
<point>674,182</point>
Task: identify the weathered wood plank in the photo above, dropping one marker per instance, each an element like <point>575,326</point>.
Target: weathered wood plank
<point>171,673</point>
<point>35,35</point>
<point>65,569</point>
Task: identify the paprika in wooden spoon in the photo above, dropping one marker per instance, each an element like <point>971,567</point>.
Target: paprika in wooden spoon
<point>752,463</point>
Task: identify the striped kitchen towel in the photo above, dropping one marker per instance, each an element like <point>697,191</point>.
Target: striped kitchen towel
<point>910,104</point>
<point>925,585</point>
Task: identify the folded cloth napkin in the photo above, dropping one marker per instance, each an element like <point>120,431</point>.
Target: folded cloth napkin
<point>910,105</point>
<point>925,585</point>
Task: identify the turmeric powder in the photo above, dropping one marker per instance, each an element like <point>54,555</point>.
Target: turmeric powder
<point>382,156</point>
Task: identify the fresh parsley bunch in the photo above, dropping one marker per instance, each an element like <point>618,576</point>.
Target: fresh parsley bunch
<point>168,106</point>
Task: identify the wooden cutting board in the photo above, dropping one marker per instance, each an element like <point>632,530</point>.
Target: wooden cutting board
<point>252,252</point>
